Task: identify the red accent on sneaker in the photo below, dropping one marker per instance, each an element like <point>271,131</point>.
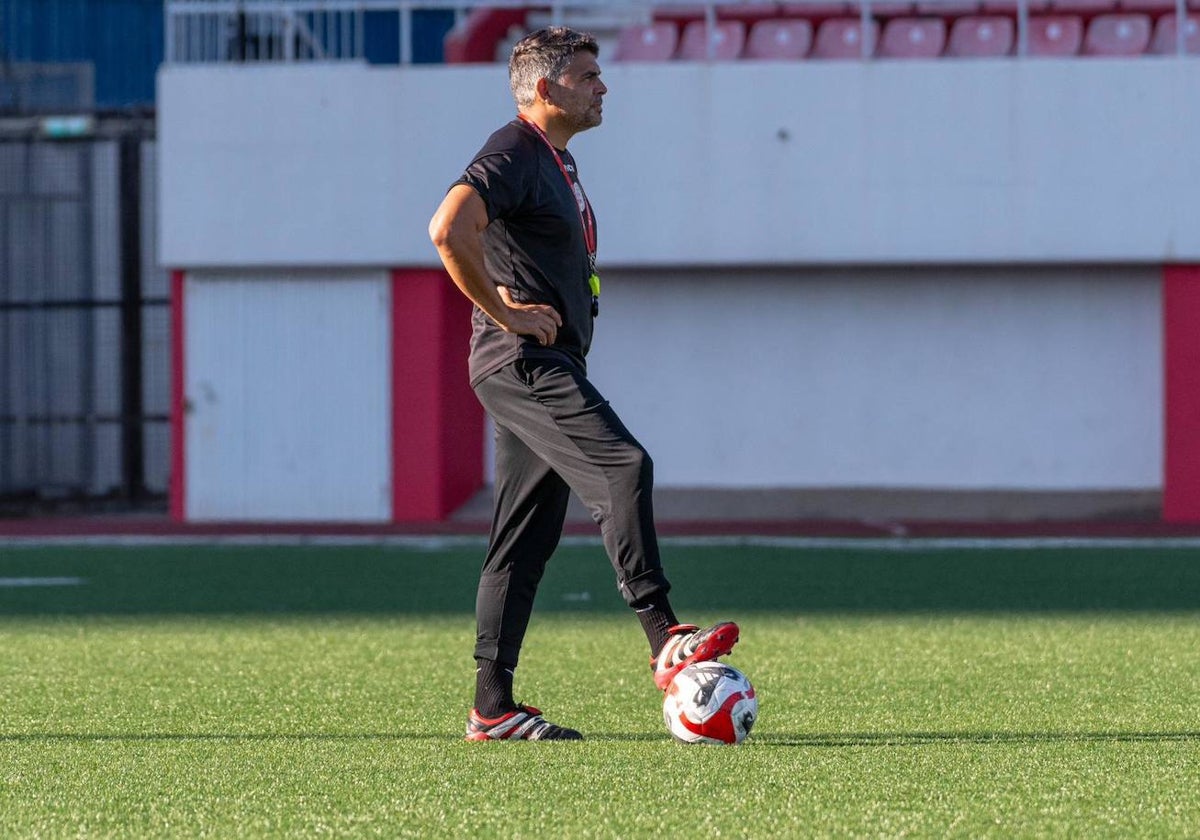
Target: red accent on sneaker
<point>525,723</point>
<point>479,728</point>
<point>503,717</point>
<point>718,641</point>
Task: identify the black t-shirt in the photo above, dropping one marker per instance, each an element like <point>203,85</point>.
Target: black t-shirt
<point>534,244</point>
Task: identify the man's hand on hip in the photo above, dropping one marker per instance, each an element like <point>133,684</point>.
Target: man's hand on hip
<point>538,320</point>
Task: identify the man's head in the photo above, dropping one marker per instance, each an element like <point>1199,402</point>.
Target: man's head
<point>544,54</point>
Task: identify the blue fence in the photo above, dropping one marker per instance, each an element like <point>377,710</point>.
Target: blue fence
<point>123,40</point>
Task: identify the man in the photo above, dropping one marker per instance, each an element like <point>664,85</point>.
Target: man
<point>517,235</point>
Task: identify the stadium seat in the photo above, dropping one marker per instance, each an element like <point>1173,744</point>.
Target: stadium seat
<point>981,37</point>
<point>887,9</point>
<point>1165,34</point>
<point>747,13</point>
<point>1009,7</point>
<point>913,38</point>
<point>952,9</point>
<point>883,8</point>
<point>648,42</point>
<point>727,39</point>
<point>1082,7</point>
<point>680,14</point>
<point>843,38</point>
<point>1053,36</point>
<point>474,39</point>
<point>1117,35</point>
<point>816,10</point>
<point>779,40</point>
<point>1149,7</point>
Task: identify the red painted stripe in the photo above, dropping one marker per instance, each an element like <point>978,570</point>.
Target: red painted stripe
<point>437,424</point>
<point>414,438</point>
<point>1181,397</point>
<point>178,409</point>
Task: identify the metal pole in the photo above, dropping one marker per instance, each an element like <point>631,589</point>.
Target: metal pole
<point>169,32</point>
<point>8,426</point>
<point>1022,27</point>
<point>710,31</point>
<point>89,437</point>
<point>360,34</point>
<point>868,41</point>
<point>133,459</point>
<point>1181,22</point>
<point>406,49</point>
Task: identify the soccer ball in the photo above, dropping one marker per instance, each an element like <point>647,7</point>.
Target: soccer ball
<point>710,703</point>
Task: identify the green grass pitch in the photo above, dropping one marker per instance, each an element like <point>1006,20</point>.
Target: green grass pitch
<point>307,691</point>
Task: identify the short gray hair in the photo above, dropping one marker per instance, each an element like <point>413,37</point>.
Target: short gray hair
<point>544,54</point>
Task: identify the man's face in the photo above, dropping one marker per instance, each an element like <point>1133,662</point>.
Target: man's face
<point>579,93</point>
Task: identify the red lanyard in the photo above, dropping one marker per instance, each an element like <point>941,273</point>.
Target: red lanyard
<point>585,206</point>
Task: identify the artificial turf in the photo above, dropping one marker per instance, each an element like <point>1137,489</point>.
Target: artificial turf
<point>322,691</point>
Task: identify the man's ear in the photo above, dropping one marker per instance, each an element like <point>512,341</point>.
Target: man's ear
<point>543,90</point>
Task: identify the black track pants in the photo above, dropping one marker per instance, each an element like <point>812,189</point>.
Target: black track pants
<point>555,433</point>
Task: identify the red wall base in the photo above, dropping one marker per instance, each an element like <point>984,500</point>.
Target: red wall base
<point>437,424</point>
<point>1181,397</point>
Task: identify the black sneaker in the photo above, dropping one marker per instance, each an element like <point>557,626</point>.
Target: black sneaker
<point>525,723</point>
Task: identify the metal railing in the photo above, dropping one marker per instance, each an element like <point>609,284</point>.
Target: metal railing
<point>263,30</point>
<point>335,30</point>
<point>84,319</point>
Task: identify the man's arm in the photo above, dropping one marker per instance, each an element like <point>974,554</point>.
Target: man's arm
<point>456,230</point>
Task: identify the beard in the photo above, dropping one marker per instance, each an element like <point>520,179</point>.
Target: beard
<point>590,118</point>
<point>580,116</point>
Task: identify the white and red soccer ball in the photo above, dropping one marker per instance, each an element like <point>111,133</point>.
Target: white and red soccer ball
<point>710,703</point>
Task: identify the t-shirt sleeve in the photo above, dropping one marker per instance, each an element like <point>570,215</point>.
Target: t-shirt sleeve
<point>501,180</point>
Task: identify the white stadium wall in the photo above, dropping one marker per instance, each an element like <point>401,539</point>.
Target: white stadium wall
<point>979,379</point>
<point>292,360</point>
<point>722,164</point>
<point>921,275</point>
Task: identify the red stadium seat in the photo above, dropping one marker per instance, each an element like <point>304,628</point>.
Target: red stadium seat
<point>726,40</point>
<point>1117,35</point>
<point>474,40</point>
<point>779,40</point>
<point>816,10</point>
<point>1149,7</point>
<point>982,37</point>
<point>953,9</point>
<point>747,13</point>
<point>1166,33</point>
<point>1055,35</point>
<point>891,9</point>
<point>649,42</point>
<point>679,15</point>
<point>1009,7</point>
<point>913,38</point>
<point>1082,7</point>
<point>843,38</point>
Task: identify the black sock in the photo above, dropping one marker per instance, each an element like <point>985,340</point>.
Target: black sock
<point>493,688</point>
<point>657,619</point>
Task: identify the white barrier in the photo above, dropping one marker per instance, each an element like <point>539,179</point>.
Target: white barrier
<point>757,330</point>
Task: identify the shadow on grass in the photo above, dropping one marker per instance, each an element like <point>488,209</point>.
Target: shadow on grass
<point>230,737</point>
<point>268,737</point>
<point>911,739</point>
<point>390,580</point>
<point>831,740</point>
